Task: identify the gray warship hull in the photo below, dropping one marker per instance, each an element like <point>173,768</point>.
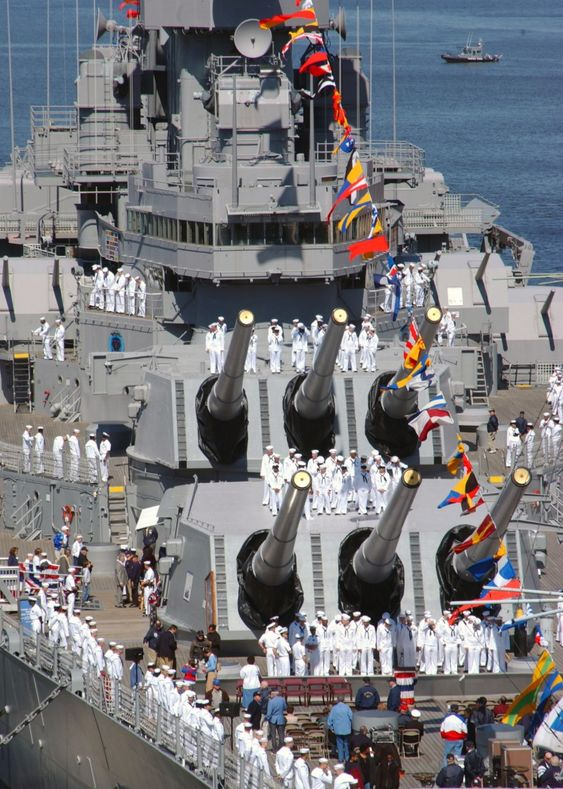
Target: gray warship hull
<point>71,743</point>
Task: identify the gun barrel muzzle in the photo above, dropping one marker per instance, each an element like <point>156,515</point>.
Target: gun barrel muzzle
<point>225,399</point>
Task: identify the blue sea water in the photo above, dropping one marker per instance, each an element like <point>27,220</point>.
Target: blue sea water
<point>495,130</point>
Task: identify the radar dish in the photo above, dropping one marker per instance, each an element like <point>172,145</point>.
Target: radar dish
<point>251,40</point>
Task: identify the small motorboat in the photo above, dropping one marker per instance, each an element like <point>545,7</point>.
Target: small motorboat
<point>471,53</point>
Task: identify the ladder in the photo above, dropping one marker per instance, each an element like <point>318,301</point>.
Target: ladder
<point>21,380</point>
<point>117,514</point>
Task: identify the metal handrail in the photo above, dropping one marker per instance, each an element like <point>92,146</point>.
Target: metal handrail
<point>12,459</point>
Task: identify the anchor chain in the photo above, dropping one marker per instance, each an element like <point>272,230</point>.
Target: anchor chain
<point>7,738</point>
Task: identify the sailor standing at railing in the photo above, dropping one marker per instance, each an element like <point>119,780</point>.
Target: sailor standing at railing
<point>70,588</point>
<point>98,289</point>
<point>119,288</point>
<point>75,631</point>
<point>94,291</point>
<point>42,601</point>
<point>107,288</point>
<point>213,348</point>
<point>222,327</point>
<point>130,290</point>
<point>141,297</point>
<point>74,447</point>
<point>93,458</point>
<point>27,444</point>
<point>105,449</point>
<point>36,616</point>
<point>250,362</point>
<point>59,337</point>
<point>38,450</point>
<point>42,331</point>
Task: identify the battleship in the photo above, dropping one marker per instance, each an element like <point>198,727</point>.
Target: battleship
<point>199,159</point>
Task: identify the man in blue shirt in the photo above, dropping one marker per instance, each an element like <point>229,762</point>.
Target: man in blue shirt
<point>275,715</point>
<point>367,697</point>
<point>339,722</point>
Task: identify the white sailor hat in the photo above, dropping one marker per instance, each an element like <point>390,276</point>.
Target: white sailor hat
<point>42,319</point>
<point>274,618</point>
<point>274,320</point>
<point>220,318</point>
<point>269,447</point>
<point>92,435</point>
<point>530,424</point>
<point>127,275</point>
<point>146,562</point>
<point>319,317</point>
<point>76,430</point>
<point>366,618</point>
<point>171,671</point>
<point>416,713</point>
<point>295,320</point>
<point>101,640</point>
<point>332,451</point>
<point>30,427</point>
<point>428,613</point>
<point>340,458</point>
<point>298,635</point>
<point>304,750</point>
<point>323,760</point>
<point>105,269</point>
<point>546,413</point>
<point>356,613</point>
<point>298,455</point>
<point>288,739</point>
<point>31,599</point>
<point>339,766</point>
<point>119,269</point>
<point>95,266</point>
<point>300,325</point>
<point>445,612</point>
<point>512,421</point>
<point>45,585</point>
<point>105,435</point>
<point>314,451</point>
<point>58,320</point>
<point>157,671</point>
<point>345,616</point>
<point>320,614</point>
<point>113,643</point>
<point>77,610</point>
<point>354,451</point>
<point>291,451</point>
<point>211,325</point>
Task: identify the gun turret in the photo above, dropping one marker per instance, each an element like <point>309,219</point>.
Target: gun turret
<point>463,575</point>
<point>221,406</point>
<point>266,566</point>
<point>386,426</point>
<point>371,577</point>
<point>308,402</point>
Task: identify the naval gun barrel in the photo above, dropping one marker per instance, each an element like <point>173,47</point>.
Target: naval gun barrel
<point>313,396</point>
<point>374,560</point>
<point>371,575</point>
<point>308,401</point>
<point>266,566</point>
<point>401,402</point>
<point>501,514</point>
<point>386,425</point>
<point>221,406</point>
<point>225,399</point>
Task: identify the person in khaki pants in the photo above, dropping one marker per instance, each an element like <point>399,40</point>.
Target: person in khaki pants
<point>166,646</point>
<point>211,668</point>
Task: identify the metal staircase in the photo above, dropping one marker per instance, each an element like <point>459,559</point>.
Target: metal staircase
<point>22,379</point>
<point>118,515</point>
<point>479,395</point>
<point>70,406</point>
<point>26,519</point>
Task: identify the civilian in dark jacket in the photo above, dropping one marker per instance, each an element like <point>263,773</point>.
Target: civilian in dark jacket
<point>388,773</point>
<point>199,646</point>
<point>214,638</point>
<point>254,709</point>
<point>394,697</point>
<point>151,639</point>
<point>265,692</point>
<point>166,646</point>
<point>473,765</point>
<point>367,697</point>
<point>134,570</point>
<point>451,774</point>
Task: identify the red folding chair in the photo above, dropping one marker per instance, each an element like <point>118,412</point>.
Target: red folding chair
<point>339,687</point>
<point>317,688</point>
<point>295,689</point>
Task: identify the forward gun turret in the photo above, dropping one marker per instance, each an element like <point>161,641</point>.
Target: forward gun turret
<point>371,577</point>
<point>221,406</point>
<point>463,575</point>
<point>267,571</point>
<point>386,425</point>
<point>308,403</point>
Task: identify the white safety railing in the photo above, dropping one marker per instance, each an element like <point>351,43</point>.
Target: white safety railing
<point>195,746</point>
<point>48,464</point>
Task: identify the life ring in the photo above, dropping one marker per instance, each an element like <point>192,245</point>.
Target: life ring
<point>68,514</point>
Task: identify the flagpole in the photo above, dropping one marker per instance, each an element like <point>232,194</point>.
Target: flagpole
<point>312,176</point>
<point>370,74</point>
<point>394,70</point>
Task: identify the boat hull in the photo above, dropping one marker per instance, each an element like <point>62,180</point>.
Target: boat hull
<point>466,59</point>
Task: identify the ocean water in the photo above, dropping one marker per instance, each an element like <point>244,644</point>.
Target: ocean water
<point>494,130</point>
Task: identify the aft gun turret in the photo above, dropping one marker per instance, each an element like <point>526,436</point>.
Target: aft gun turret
<point>266,567</point>
<point>371,577</point>
<point>308,403</point>
<point>386,425</point>
<point>463,575</point>
<point>221,406</point>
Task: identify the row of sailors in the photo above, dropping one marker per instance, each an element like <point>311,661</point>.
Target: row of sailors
<point>97,456</point>
<point>554,394</point>
<point>337,481</point>
<point>57,338</point>
<point>413,281</point>
<point>520,445</point>
<point>291,767</point>
<point>118,292</point>
<point>347,643</point>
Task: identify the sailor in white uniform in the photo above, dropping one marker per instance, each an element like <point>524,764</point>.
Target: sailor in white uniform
<point>365,644</point>
<point>38,451</point>
<point>105,449</point>
<point>141,297</point>
<point>513,444</point>
<point>92,457</point>
<point>275,343</point>
<point>131,290</point>
<point>109,293</point>
<point>213,348</point>
<point>74,448</point>
<point>59,337</point>
<point>42,332</point>
<point>385,643</point>
<point>119,289</point>
<point>362,486</point>
<point>349,346</point>
<point>94,291</point>
<point>300,337</point>
<point>265,469</point>
<point>250,362</point>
